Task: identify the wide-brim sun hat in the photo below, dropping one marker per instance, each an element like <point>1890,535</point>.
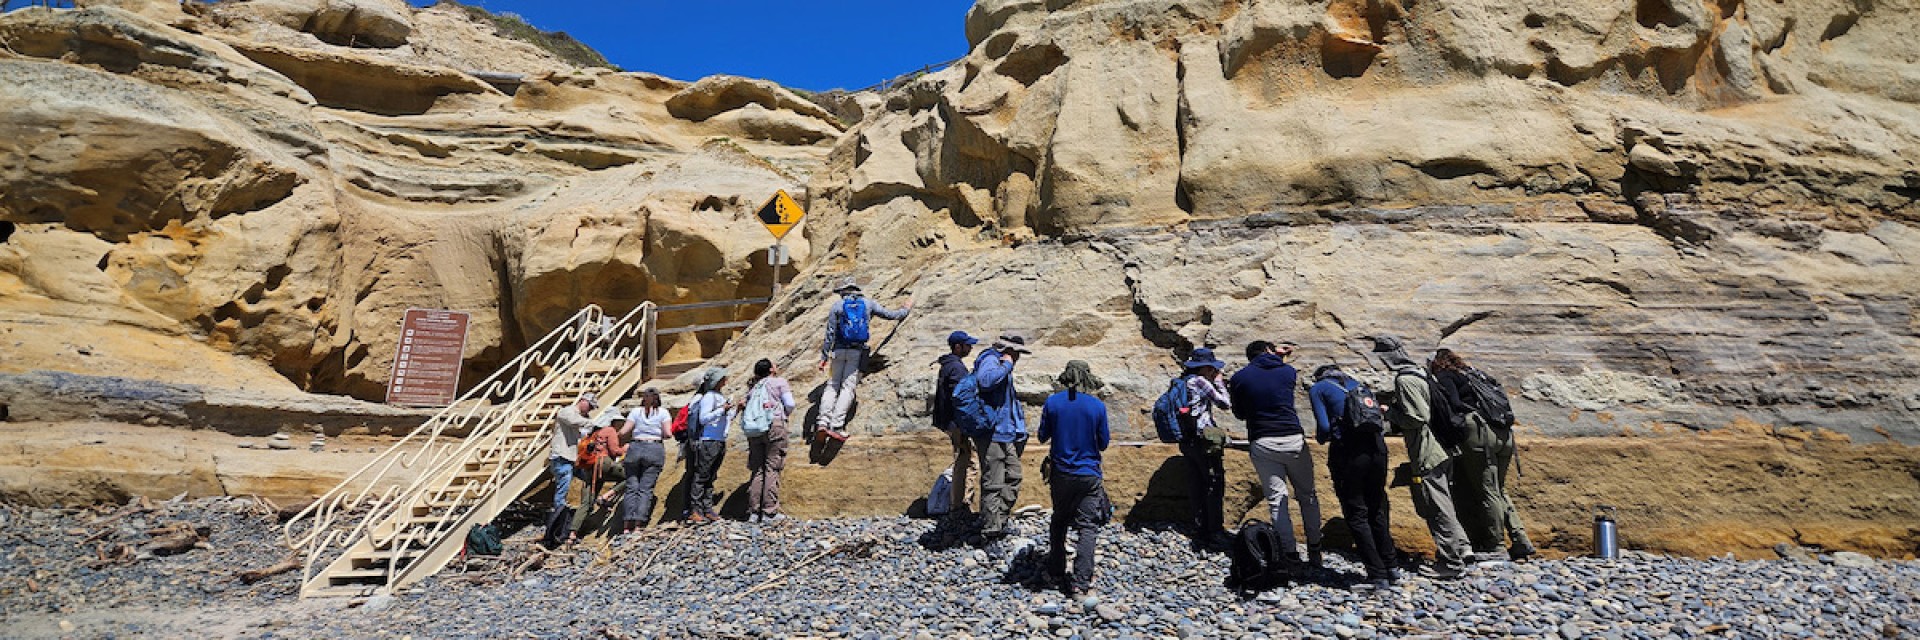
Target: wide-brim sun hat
<point>1203,357</point>
<point>847,284</point>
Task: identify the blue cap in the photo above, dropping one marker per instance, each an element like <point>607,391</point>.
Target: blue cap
<point>961,337</point>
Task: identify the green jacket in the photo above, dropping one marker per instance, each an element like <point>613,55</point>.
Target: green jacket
<point>1411,411</point>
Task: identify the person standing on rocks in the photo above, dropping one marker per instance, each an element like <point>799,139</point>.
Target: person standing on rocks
<point>569,425</point>
<point>953,367</point>
<point>764,420</point>
<point>1204,446</point>
<point>849,326</point>
<point>1076,424</point>
<point>1486,453</point>
<point>646,457</point>
<point>1431,443</point>
<point>708,420</point>
<point>1263,398</point>
<point>1000,450</point>
<point>1357,462</point>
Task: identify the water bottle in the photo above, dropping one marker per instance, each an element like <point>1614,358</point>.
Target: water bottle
<point>1606,534</point>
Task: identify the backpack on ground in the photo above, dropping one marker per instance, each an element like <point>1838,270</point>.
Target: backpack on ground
<point>484,540</point>
<point>559,527</point>
<point>1364,415</point>
<point>853,321</point>
<point>940,499</point>
<point>1257,561</point>
<point>1490,399</point>
<point>756,419</point>
<point>681,419</point>
<point>970,412</point>
<point>1173,411</point>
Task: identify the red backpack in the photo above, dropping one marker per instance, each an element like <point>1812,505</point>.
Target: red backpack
<point>679,427</point>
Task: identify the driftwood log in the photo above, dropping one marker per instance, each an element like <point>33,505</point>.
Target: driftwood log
<point>290,564</point>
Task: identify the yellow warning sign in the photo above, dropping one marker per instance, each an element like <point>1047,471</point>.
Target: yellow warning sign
<point>780,213</point>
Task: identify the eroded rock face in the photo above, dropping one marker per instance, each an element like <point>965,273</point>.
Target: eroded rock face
<point>1654,212</point>
<point>255,188</point>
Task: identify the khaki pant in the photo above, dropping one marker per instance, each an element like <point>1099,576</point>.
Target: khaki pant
<point>964,491</point>
<point>609,470</point>
<point>999,482</point>
<point>1433,501</point>
<point>766,458</point>
<point>843,374</point>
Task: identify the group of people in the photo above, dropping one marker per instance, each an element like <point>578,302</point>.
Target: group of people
<point>1459,451</point>
<point>628,450</point>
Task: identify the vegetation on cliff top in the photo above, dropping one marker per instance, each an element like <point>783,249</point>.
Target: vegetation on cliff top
<point>558,43</point>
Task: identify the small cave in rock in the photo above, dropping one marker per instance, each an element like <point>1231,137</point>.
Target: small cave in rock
<point>1654,14</point>
<point>6,231</point>
<point>1840,25</point>
<point>1028,65</point>
<point>1343,59</point>
<point>1535,21</point>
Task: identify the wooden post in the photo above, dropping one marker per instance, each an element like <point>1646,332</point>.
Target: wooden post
<point>650,365</point>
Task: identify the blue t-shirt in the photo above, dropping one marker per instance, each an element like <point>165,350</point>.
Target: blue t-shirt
<point>1076,423</point>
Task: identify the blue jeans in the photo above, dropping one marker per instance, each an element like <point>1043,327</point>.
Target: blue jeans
<point>562,480</point>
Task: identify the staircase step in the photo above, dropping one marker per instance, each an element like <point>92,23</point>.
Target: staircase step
<point>357,573</point>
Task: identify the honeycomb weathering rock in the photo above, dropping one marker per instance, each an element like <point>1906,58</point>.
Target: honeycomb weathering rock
<point>1642,212</point>
<point>247,190</point>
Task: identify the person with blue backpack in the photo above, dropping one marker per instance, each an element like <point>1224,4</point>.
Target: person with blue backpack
<point>849,326</point>
<point>1263,398</point>
<point>1203,444</point>
<point>989,410</point>
<point>1351,421</point>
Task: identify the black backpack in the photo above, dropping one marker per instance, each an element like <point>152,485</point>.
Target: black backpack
<point>1491,399</point>
<point>1257,561</point>
<point>1364,416</point>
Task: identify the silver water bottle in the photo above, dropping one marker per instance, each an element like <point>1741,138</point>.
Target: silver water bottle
<point>1606,534</point>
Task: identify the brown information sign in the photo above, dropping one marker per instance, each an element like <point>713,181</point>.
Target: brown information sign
<point>426,372</point>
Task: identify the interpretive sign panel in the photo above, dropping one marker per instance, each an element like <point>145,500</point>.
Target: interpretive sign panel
<point>426,373</point>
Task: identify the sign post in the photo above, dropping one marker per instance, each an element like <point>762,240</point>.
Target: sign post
<point>779,214</point>
<point>426,371</point>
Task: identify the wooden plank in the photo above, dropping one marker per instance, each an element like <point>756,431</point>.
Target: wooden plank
<point>713,305</point>
<point>706,327</point>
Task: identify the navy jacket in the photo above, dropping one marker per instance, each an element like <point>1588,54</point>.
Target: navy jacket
<point>1262,396</point>
<point>1076,423</point>
<point>952,369</point>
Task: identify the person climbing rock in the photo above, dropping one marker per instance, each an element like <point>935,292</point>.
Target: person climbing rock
<point>849,326</point>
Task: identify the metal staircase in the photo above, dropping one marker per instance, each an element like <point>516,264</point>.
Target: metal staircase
<point>403,516</point>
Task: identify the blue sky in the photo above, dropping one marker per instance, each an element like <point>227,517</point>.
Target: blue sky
<point>817,45</point>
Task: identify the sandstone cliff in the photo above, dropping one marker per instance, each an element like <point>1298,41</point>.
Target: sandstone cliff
<point>249,194</point>
<point>1640,214</point>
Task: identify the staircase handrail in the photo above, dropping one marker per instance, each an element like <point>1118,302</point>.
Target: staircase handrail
<point>545,353</point>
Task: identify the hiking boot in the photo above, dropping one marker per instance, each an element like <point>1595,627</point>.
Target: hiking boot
<point>773,517</point>
<point>698,518</point>
<point>1431,573</point>
<point>1314,557</point>
<point>1522,552</point>
<point>753,519</point>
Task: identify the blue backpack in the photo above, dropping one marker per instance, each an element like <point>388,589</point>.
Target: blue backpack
<point>970,412</point>
<point>853,321</point>
<point>1172,411</point>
